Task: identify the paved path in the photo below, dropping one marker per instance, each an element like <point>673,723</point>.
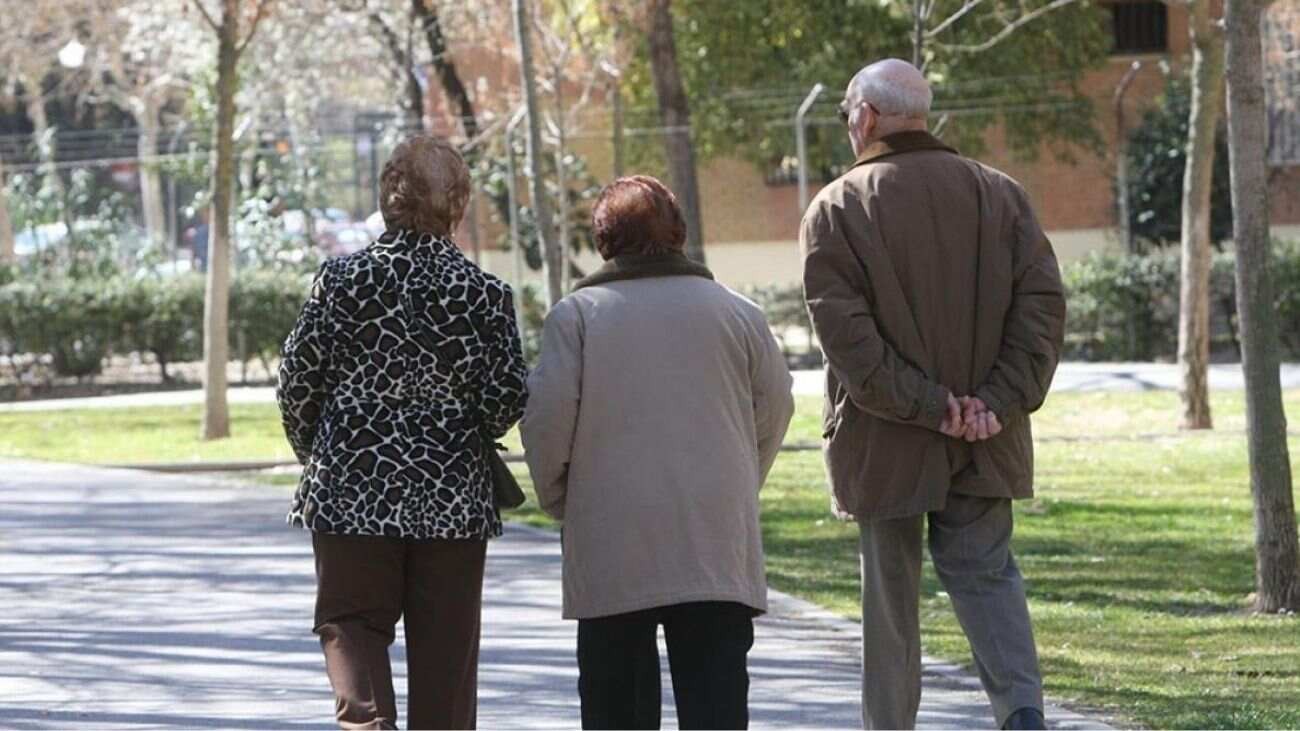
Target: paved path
<point>138,600</point>
<point>1069,377</point>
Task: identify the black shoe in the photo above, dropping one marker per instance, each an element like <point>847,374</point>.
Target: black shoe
<point>1025,718</point>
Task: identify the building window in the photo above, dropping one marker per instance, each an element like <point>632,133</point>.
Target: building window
<point>1139,27</point>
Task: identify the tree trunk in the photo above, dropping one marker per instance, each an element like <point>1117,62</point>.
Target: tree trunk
<point>918,33</point>
<point>1277,560</point>
<point>445,67</point>
<point>216,309</point>
<point>616,103</point>
<point>562,183</point>
<point>412,104</point>
<point>552,256</point>
<point>1121,159</point>
<point>675,114</point>
<point>6,225</point>
<point>562,212</point>
<point>1194,308</point>
<point>45,143</point>
<point>151,195</point>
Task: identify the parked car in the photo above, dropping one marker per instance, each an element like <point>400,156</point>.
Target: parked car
<point>333,229</point>
<point>128,239</point>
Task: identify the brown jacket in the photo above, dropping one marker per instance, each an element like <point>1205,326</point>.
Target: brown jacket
<point>927,273</point>
<point>654,416</point>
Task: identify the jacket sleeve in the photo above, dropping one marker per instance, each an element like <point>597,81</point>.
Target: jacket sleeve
<point>879,381</point>
<point>503,393</point>
<point>1033,332</point>
<point>301,389</point>
<point>552,414</point>
<point>773,397</point>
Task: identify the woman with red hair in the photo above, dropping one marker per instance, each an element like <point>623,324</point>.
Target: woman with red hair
<point>654,416</point>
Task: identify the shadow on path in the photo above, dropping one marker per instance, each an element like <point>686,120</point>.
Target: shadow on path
<point>137,600</point>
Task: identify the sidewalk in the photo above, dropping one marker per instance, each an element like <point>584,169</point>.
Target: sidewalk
<point>1069,377</point>
<point>135,599</point>
<point>1123,377</point>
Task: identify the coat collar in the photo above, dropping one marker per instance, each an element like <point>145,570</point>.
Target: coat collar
<point>642,266</point>
<point>397,239</point>
<point>900,142</point>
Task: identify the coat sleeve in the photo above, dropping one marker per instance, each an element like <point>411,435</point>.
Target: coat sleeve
<point>549,422</point>
<point>879,381</point>
<point>773,397</point>
<point>301,389</point>
<point>1033,332</point>
<point>502,391</point>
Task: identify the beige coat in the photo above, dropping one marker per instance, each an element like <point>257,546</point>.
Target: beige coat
<point>927,274</point>
<point>654,416</point>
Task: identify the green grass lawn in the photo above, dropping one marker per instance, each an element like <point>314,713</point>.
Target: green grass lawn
<point>140,435</point>
<point>1137,552</point>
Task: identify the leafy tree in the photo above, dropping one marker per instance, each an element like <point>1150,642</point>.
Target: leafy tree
<point>1157,152</point>
<point>746,66</point>
<point>231,43</point>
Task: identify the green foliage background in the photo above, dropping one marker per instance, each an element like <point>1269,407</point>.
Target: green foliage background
<point>746,66</point>
<point>1157,156</point>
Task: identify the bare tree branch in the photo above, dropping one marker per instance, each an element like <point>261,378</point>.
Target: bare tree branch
<point>206,15</point>
<point>263,10</point>
<point>403,68</point>
<point>1009,28</point>
<point>941,126</point>
<point>948,22</point>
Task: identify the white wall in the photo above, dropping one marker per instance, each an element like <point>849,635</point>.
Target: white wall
<point>746,264</point>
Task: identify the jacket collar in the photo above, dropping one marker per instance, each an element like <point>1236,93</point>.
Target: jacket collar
<point>899,143</point>
<point>397,239</point>
<point>642,266</point>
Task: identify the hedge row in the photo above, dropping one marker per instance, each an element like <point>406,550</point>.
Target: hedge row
<point>77,323</point>
<point>1125,308</point>
<point>1121,308</point>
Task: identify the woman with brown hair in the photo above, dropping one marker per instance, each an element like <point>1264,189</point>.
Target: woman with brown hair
<point>654,416</point>
<point>404,365</point>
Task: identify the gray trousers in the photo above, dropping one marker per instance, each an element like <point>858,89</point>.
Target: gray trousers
<point>970,547</point>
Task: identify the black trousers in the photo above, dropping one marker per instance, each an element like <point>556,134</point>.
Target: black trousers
<point>618,666</point>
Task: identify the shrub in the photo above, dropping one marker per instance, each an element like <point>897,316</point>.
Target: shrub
<point>165,317</point>
<point>787,315</point>
<point>264,306</point>
<point>1122,308</point>
<point>532,308</point>
<point>1286,289</point>
<point>73,322</point>
<point>1125,308</point>
<point>76,323</point>
<point>1157,154</point>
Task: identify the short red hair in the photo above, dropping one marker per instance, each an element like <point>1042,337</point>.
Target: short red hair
<point>637,215</point>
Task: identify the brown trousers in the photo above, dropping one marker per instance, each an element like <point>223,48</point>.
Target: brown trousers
<point>364,585</point>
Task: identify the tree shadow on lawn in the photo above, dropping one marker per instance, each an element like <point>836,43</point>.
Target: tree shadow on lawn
<point>1176,696</point>
<point>1177,572</point>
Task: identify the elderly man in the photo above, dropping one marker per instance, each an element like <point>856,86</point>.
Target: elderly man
<point>938,302</point>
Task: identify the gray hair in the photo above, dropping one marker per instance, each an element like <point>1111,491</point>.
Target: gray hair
<point>894,87</point>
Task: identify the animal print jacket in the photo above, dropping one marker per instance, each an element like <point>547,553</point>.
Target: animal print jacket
<point>404,361</point>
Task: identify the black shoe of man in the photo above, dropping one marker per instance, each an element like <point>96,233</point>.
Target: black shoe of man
<point>1026,718</point>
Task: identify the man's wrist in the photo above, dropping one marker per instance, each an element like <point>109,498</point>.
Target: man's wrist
<point>992,403</point>
<point>934,409</point>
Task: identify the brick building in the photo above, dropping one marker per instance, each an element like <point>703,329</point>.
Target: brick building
<point>751,223</point>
